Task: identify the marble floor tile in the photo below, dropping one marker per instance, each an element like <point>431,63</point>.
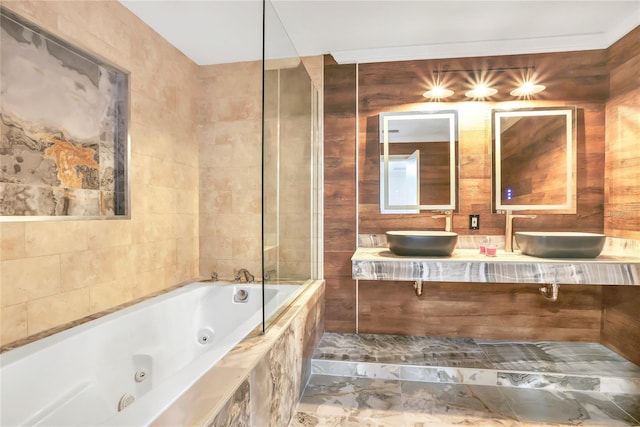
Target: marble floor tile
<point>351,396</point>
<point>565,408</point>
<point>630,403</point>
<point>347,401</point>
<point>398,349</point>
<point>455,404</point>
<point>305,419</point>
<point>558,357</point>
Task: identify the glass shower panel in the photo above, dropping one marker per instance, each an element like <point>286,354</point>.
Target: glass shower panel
<point>289,138</point>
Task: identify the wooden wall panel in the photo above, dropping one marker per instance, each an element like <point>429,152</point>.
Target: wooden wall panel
<point>621,321</point>
<point>622,197</point>
<point>621,317</point>
<point>490,310</point>
<point>339,195</point>
<point>398,86</point>
<point>493,311</point>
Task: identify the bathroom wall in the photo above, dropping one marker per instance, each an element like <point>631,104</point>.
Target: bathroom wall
<point>340,228</point>
<point>572,78</point>
<point>229,105</point>
<point>229,132</point>
<point>621,318</point>
<point>622,173</point>
<point>54,272</point>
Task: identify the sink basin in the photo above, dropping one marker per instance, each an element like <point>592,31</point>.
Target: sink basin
<point>422,243</point>
<point>559,244</point>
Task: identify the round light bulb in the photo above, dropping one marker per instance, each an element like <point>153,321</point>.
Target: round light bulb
<point>480,91</point>
<point>438,92</point>
<point>527,88</point>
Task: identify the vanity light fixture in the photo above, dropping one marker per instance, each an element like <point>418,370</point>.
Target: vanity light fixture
<point>480,91</point>
<point>438,92</point>
<point>528,88</point>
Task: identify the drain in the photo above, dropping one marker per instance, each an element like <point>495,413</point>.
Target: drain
<point>241,296</point>
<point>205,336</point>
<point>141,375</point>
<point>126,400</point>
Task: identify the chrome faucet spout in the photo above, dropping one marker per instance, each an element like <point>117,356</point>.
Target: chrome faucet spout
<point>248,277</point>
<point>508,229</point>
<point>448,219</point>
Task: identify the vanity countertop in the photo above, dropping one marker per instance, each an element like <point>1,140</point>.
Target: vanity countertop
<point>468,265</point>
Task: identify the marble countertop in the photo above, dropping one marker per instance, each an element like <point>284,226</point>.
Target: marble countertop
<point>468,265</point>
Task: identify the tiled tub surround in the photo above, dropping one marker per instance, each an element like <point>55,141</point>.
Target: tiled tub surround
<point>619,264</point>
<point>395,380</point>
<point>152,393</point>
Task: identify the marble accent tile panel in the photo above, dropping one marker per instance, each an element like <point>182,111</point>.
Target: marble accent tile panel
<point>64,152</point>
<point>235,411</point>
<point>453,404</point>
<point>569,408</point>
<point>467,266</point>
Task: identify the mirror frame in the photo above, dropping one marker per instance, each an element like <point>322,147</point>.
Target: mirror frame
<point>570,114</point>
<point>452,116</point>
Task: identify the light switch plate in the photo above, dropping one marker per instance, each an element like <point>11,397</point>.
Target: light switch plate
<point>474,222</point>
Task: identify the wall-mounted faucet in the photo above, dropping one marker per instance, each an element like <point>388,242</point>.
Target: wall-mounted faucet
<point>248,277</point>
<point>448,219</point>
<point>508,229</point>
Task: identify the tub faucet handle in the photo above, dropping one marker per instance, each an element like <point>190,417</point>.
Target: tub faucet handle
<point>214,276</point>
<point>248,277</point>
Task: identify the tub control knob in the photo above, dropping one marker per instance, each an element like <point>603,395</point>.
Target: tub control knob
<point>141,375</point>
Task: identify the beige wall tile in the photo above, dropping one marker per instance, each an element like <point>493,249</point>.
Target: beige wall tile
<point>103,296</point>
<point>29,278</point>
<point>104,234</point>
<point>47,312</point>
<point>14,323</point>
<point>46,238</point>
<point>77,270</point>
<point>12,240</point>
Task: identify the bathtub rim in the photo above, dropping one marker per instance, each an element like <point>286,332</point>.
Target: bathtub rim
<point>39,336</point>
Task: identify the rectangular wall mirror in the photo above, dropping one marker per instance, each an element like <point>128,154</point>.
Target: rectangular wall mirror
<point>418,161</point>
<point>534,159</point>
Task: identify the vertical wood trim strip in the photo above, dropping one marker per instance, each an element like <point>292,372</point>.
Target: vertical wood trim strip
<point>357,100</point>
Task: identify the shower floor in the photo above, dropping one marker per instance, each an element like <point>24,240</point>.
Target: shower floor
<point>389,380</point>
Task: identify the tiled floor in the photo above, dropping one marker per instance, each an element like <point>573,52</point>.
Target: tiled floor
<point>377,380</point>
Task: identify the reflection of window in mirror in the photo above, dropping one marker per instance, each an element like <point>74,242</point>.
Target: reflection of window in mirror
<point>430,137</point>
<point>534,159</point>
<point>404,183</point>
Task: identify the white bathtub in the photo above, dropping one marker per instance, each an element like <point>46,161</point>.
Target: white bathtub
<point>79,376</point>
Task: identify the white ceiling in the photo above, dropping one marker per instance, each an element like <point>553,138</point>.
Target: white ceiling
<point>222,31</point>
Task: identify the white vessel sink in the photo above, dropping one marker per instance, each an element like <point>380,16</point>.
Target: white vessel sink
<point>422,243</point>
<point>560,244</point>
